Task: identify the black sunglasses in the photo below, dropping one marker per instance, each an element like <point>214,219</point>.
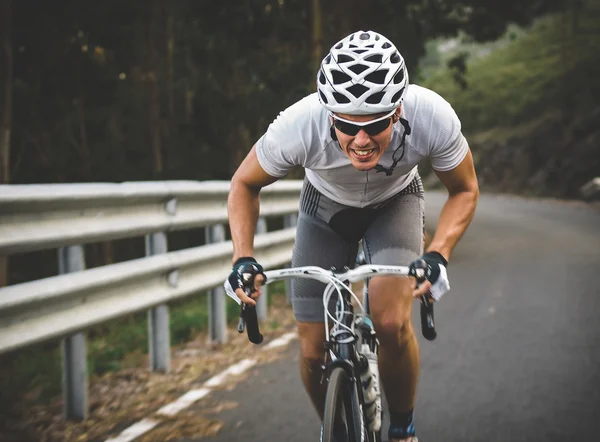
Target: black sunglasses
<point>371,129</point>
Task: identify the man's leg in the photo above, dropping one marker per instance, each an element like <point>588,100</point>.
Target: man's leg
<point>396,238</point>
<point>390,300</point>
<point>316,244</point>
<point>312,356</point>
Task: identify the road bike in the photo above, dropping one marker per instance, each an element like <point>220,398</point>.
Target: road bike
<point>353,409</point>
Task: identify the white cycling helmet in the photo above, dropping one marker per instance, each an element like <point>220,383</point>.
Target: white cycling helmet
<point>363,74</point>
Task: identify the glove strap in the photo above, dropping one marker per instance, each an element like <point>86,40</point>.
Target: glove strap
<point>437,257</point>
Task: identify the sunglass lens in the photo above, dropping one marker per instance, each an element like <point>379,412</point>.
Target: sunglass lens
<point>347,128</point>
<point>377,127</point>
<point>371,129</point>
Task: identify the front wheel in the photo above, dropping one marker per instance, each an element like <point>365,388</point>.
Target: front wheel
<point>342,419</point>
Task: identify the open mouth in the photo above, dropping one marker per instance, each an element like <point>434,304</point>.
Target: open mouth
<point>362,154</point>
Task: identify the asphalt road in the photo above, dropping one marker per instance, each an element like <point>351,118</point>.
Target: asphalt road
<point>517,356</point>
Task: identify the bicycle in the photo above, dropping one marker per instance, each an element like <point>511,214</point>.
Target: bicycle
<point>350,368</point>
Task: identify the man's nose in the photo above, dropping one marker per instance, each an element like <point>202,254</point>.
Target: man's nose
<point>362,138</point>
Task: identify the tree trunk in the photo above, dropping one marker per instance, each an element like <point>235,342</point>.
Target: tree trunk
<point>170,63</point>
<point>316,35</point>
<point>6,85</point>
<point>84,151</point>
<point>6,74</point>
<point>154,122</point>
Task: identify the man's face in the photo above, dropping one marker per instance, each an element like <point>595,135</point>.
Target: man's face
<point>364,145</point>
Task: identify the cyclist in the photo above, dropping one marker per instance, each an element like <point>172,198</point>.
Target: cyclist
<point>359,139</point>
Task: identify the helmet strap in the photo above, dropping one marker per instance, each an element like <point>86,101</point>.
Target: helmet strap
<point>395,160</point>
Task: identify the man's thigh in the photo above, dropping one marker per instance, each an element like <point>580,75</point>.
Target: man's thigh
<point>316,244</point>
<point>394,238</point>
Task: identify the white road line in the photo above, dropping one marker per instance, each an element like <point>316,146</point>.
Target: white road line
<point>145,425</point>
<point>236,369</point>
<point>134,431</point>
<point>183,402</point>
<point>281,341</point>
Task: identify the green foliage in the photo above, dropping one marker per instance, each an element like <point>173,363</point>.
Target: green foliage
<point>551,66</point>
<point>530,110</point>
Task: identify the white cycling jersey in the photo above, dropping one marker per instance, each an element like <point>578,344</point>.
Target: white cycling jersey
<point>300,136</point>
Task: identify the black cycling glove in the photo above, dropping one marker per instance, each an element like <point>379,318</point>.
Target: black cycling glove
<point>436,273</point>
<point>242,275</point>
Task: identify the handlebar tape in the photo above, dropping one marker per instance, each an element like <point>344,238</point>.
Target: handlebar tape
<point>249,318</point>
<point>419,271</point>
<point>427,321</point>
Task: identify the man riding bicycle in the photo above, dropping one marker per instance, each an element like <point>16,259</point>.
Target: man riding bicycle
<point>359,139</point>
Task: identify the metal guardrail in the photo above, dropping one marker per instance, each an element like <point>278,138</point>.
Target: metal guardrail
<point>65,216</point>
<point>60,305</point>
<point>36,217</point>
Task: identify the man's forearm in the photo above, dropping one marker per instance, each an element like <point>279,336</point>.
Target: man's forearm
<point>454,219</point>
<point>243,207</point>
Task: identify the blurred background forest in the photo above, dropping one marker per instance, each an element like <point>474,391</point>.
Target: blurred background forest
<point>112,91</point>
<point>121,91</point>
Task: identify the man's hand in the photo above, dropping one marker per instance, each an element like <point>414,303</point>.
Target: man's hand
<point>436,283</point>
<point>246,272</point>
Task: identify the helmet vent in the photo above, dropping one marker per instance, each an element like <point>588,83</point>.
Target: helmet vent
<point>343,58</point>
<point>328,59</point>
<point>364,36</point>
<point>323,98</point>
<point>397,95</point>
<point>399,76</point>
<point>376,58</point>
<point>358,68</point>
<point>340,45</point>
<point>386,45</point>
<point>339,77</point>
<point>375,98</point>
<point>395,58</point>
<point>341,98</point>
<point>377,77</point>
<point>357,90</point>
<point>359,51</point>
<point>322,77</point>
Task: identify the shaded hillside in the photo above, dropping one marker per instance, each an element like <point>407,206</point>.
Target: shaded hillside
<point>531,109</point>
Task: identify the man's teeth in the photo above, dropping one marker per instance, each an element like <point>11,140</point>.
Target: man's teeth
<point>363,152</point>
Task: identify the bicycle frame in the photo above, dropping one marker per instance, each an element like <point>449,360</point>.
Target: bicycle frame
<point>342,342</point>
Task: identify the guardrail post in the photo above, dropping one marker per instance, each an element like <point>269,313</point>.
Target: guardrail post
<point>217,309</point>
<point>74,357</point>
<point>159,338</point>
<point>263,301</point>
<point>289,220</point>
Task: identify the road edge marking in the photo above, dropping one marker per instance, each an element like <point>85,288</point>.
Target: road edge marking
<point>143,426</point>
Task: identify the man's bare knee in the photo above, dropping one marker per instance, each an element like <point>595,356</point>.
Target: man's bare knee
<point>393,330</point>
<point>312,337</point>
<point>391,300</point>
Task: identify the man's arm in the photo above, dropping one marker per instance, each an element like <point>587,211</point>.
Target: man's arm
<point>243,203</point>
<point>458,211</point>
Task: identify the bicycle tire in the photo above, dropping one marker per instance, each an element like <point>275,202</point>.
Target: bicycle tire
<point>342,409</point>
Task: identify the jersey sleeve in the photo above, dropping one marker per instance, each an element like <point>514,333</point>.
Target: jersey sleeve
<point>448,146</point>
<point>283,146</point>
